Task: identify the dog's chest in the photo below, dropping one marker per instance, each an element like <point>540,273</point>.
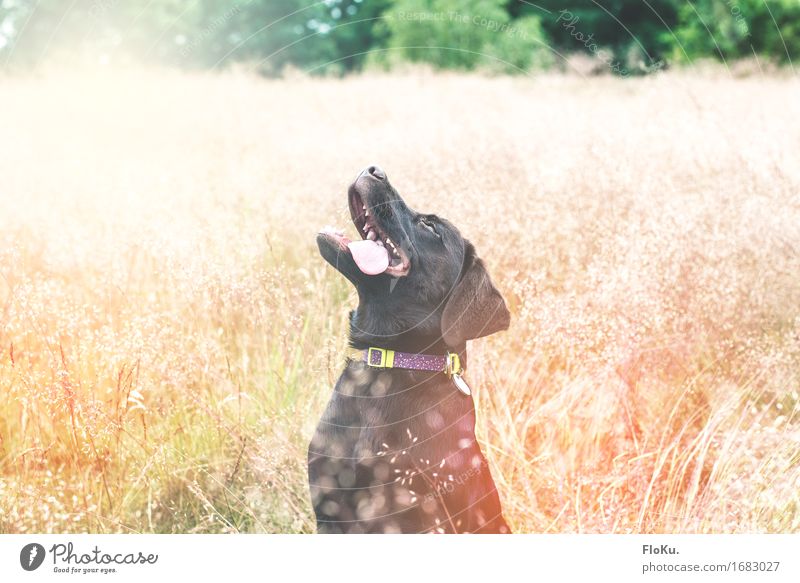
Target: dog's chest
<point>372,412</point>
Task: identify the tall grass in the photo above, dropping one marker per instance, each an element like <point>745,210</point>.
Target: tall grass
<point>170,335</point>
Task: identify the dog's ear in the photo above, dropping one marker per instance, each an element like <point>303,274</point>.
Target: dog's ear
<point>475,307</point>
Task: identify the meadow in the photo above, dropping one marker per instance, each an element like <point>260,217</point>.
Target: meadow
<point>169,334</point>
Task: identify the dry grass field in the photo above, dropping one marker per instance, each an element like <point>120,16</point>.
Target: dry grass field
<point>169,334</point>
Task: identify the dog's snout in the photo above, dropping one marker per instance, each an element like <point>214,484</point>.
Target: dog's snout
<point>376,172</point>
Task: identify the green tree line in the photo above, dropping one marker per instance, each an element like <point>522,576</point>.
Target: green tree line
<point>337,36</point>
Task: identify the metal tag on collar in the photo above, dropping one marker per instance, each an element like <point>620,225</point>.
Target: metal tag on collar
<point>461,384</point>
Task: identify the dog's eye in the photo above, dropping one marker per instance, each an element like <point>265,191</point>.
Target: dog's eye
<point>429,224</point>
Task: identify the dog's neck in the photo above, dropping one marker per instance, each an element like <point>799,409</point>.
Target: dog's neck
<point>379,328</point>
<point>403,343</point>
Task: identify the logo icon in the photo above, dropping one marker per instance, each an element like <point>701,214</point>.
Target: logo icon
<point>31,556</point>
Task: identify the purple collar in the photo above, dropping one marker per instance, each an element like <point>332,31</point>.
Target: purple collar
<point>449,363</point>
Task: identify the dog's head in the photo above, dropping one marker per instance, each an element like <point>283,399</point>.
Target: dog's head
<point>420,283</point>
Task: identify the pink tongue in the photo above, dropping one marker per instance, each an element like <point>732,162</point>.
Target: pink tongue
<point>370,257</point>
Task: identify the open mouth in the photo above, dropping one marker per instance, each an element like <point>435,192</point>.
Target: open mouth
<point>376,252</point>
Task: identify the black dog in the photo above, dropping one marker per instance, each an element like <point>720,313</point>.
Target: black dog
<point>395,450</point>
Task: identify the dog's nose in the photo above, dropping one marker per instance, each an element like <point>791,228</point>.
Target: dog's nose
<point>376,172</point>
